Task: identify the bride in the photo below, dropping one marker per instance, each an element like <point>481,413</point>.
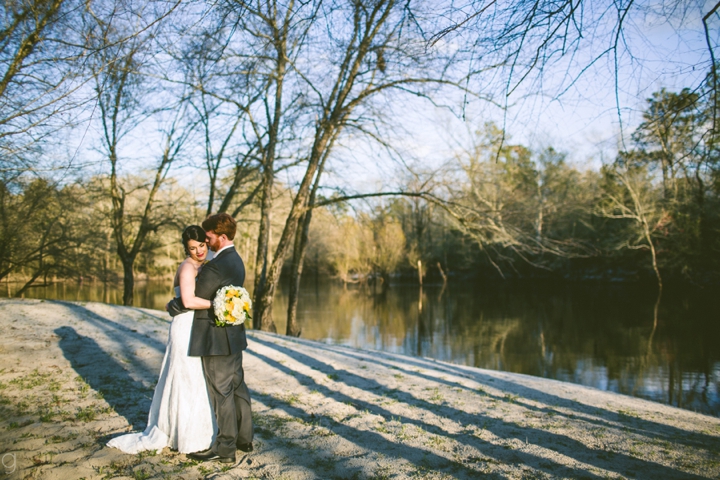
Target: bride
<point>180,415</point>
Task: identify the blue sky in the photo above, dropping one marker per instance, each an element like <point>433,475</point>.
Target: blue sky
<point>583,121</point>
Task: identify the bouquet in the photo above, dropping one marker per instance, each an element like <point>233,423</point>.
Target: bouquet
<point>232,306</point>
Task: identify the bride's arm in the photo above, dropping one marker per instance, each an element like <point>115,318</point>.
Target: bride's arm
<point>187,289</point>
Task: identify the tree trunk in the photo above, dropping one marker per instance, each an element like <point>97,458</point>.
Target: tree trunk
<point>656,268</point>
<point>29,283</point>
<point>539,219</point>
<point>336,111</point>
<point>128,281</point>
<point>442,273</point>
<point>263,309</point>
<point>261,255</point>
<point>265,298</point>
<point>705,232</point>
<point>655,321</point>
<point>263,316</point>
<point>301,239</point>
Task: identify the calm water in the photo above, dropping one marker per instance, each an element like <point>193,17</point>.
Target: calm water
<point>596,335</point>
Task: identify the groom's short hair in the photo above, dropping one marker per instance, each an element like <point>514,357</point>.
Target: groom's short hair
<point>221,224</point>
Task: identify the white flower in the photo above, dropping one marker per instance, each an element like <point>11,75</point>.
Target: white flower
<point>231,305</point>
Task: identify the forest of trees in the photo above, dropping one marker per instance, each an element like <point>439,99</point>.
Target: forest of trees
<point>121,122</point>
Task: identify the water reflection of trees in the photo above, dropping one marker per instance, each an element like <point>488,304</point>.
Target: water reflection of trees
<point>588,335</point>
<point>150,294</point>
<point>598,336</point>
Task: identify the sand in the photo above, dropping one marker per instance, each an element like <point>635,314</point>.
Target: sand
<point>73,375</point>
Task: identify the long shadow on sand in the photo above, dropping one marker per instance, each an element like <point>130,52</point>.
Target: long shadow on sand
<point>567,445</point>
<point>116,331</point>
<point>129,398</point>
<point>366,439</point>
<point>637,425</point>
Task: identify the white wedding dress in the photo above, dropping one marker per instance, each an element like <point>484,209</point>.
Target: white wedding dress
<point>180,415</point>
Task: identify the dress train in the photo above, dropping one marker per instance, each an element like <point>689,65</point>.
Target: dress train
<point>180,415</point>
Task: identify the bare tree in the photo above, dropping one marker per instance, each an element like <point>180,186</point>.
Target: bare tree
<point>289,76</point>
<point>242,61</point>
<point>630,196</point>
<point>37,222</point>
<point>45,46</point>
<point>375,51</point>
<point>548,47</point>
<point>122,93</point>
<point>221,100</point>
<point>40,47</point>
<point>299,76</point>
<point>498,195</point>
<point>277,32</point>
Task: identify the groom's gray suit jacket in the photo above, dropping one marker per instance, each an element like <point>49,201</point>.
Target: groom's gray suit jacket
<point>206,339</point>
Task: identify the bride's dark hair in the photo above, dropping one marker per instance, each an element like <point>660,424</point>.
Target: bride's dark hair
<point>193,232</point>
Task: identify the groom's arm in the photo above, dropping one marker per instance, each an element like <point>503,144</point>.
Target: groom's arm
<point>208,282</point>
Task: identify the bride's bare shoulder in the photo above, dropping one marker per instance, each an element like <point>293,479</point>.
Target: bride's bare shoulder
<point>181,268</point>
<point>187,267</point>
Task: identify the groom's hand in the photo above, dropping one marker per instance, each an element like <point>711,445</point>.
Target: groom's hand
<point>175,307</point>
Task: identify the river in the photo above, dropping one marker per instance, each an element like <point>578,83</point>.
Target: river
<point>600,335</point>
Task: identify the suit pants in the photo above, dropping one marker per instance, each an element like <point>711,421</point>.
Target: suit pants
<point>231,401</point>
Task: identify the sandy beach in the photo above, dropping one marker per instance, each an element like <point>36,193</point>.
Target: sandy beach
<point>73,375</point>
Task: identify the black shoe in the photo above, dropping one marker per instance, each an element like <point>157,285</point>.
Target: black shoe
<point>245,447</point>
<point>210,455</point>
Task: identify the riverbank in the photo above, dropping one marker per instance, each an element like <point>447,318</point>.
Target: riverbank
<point>73,375</point>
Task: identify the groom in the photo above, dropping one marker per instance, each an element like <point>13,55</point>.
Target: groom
<point>221,347</point>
